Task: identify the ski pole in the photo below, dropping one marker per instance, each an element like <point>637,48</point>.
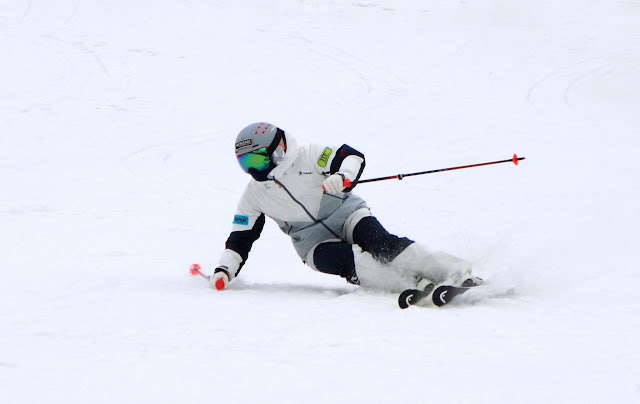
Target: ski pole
<point>196,270</point>
<point>513,160</point>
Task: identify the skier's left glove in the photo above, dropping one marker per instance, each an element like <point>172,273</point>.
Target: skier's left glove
<point>336,183</point>
<point>220,278</point>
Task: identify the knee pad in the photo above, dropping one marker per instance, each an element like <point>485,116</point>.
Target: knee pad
<point>352,221</point>
<point>334,257</point>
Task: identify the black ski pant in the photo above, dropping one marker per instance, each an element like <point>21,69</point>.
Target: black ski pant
<point>336,257</point>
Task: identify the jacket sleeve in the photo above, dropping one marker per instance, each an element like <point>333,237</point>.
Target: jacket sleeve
<point>345,159</point>
<point>247,227</point>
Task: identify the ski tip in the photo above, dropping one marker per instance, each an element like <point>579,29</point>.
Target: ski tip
<point>404,300</point>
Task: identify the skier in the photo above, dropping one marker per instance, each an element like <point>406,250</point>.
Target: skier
<point>306,190</point>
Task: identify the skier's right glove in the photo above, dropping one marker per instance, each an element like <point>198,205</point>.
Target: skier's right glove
<point>220,278</point>
<point>336,183</point>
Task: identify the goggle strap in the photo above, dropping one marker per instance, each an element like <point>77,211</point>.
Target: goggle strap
<point>276,140</point>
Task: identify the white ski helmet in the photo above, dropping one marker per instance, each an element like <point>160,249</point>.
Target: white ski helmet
<point>260,147</point>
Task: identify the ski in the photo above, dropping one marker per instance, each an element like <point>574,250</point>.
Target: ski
<point>410,297</point>
<point>440,296</point>
<point>444,294</point>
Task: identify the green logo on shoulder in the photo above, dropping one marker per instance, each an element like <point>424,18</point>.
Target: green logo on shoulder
<point>324,157</point>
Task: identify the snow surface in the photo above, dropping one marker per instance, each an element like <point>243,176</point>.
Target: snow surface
<point>117,121</point>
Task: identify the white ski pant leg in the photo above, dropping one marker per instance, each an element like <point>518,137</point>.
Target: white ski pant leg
<point>373,274</point>
<point>437,266</point>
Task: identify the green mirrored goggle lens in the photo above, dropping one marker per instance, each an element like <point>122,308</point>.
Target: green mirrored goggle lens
<point>257,159</point>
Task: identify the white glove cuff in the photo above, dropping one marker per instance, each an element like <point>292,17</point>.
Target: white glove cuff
<point>232,261</point>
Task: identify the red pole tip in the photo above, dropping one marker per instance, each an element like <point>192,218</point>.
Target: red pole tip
<point>195,269</point>
<point>515,159</point>
<point>220,284</point>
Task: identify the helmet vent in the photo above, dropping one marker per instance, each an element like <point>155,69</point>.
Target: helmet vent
<point>262,129</point>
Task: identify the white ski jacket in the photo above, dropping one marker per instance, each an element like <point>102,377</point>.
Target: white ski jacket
<point>293,197</point>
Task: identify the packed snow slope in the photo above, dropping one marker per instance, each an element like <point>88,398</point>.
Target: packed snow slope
<point>117,122</point>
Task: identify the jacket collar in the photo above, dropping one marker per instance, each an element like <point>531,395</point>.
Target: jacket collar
<point>293,149</point>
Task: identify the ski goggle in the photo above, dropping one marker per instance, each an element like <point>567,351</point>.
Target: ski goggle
<point>257,159</point>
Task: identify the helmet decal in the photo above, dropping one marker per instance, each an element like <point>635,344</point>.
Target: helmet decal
<point>244,143</point>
